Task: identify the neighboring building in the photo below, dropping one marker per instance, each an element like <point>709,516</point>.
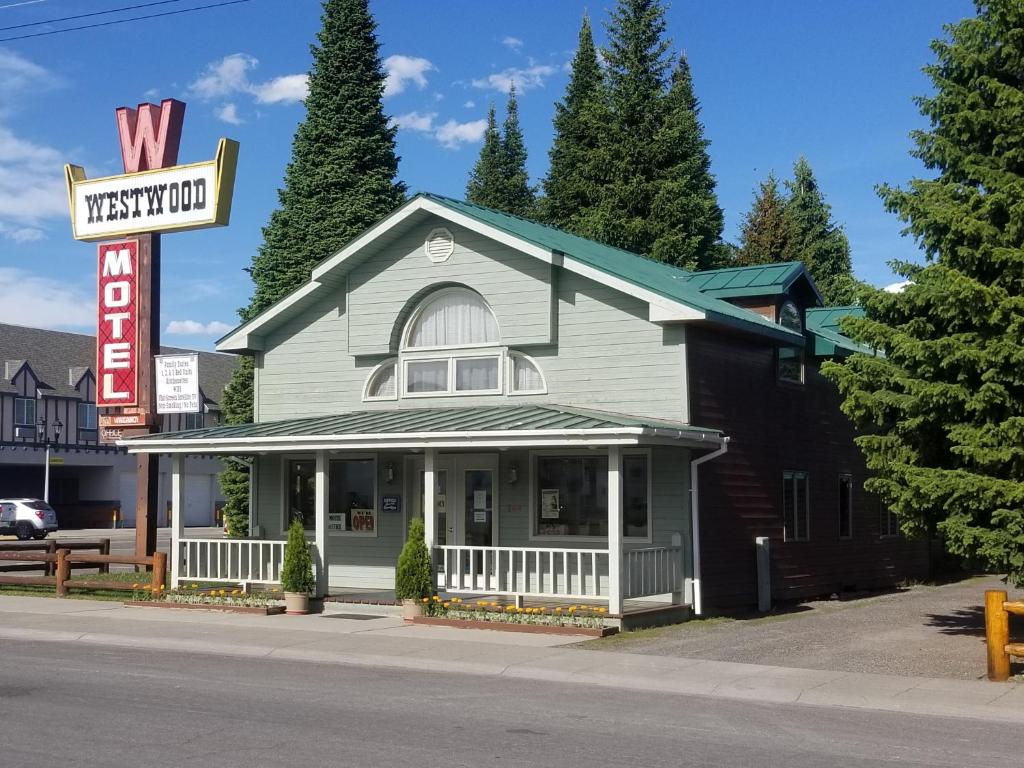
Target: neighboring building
<point>48,377</point>
<point>580,421</point>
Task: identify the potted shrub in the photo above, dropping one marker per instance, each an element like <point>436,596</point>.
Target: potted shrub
<point>297,572</point>
<point>414,575</point>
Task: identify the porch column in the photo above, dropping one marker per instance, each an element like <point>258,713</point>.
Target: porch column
<point>320,508</point>
<point>177,515</point>
<point>614,530</point>
<point>429,499</point>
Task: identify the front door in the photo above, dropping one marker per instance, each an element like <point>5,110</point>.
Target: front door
<point>465,499</point>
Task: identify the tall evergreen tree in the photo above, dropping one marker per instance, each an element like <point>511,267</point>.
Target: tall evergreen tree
<point>816,239</point>
<point>341,179</point>
<point>519,195</point>
<point>943,409</point>
<point>765,234</point>
<point>571,182</point>
<point>485,185</point>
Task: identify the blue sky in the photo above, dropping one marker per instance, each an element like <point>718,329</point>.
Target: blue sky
<point>833,81</point>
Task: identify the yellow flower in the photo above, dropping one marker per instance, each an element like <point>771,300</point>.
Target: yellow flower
<point>147,587</point>
<point>163,586</point>
<point>235,592</point>
<point>481,603</point>
<point>195,586</point>
<point>494,605</point>
<point>436,599</point>
<point>602,610</point>
<point>425,600</point>
<point>558,609</point>
<point>135,585</point>
<point>510,608</point>
<point>445,605</point>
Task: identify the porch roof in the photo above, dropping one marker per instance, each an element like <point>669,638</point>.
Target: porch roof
<point>477,427</point>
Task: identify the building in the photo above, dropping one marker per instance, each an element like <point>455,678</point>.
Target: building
<point>579,421</point>
<point>48,378</point>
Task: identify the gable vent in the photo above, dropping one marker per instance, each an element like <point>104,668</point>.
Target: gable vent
<point>439,245</point>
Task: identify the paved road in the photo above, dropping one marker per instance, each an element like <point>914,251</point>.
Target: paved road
<point>83,706</point>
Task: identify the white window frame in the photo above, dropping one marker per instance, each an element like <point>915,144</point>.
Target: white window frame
<point>427,301</point>
<point>286,460</point>
<point>790,475</point>
<point>511,372</point>
<point>571,453</point>
<point>426,357</point>
<point>391,361</point>
<point>375,533</point>
<point>187,416</point>
<point>84,426</point>
<point>849,504</point>
<point>35,411</point>
<point>801,379</point>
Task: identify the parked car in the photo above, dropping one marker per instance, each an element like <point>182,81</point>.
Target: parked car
<point>27,518</point>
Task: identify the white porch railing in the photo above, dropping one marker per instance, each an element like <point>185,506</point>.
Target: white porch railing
<point>652,571</point>
<point>252,561</point>
<point>570,574</point>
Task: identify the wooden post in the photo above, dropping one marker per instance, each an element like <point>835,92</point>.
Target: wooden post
<point>320,508</point>
<point>147,466</point>
<point>997,634</point>
<point>104,550</point>
<point>51,549</point>
<point>63,572</point>
<point>159,573</point>
<point>615,591</point>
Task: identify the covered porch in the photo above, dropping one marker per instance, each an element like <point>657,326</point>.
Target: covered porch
<point>530,504</point>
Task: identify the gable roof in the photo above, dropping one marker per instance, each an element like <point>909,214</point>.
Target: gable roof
<point>57,357</point>
<point>667,289</point>
<point>822,324</point>
<point>753,280</point>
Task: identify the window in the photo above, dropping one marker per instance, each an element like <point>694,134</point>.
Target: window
<point>524,375</point>
<point>888,523</point>
<point>193,421</point>
<point>453,317</point>
<point>791,359</point>
<point>382,383</point>
<point>24,412</point>
<point>845,507</point>
<point>351,497</point>
<point>795,506</point>
<point>86,416</point>
<point>302,492</point>
<point>571,496</point>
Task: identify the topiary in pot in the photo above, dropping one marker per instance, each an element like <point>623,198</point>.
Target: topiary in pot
<point>414,576</point>
<point>297,572</point>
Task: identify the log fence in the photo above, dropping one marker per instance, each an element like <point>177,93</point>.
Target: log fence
<point>61,563</point>
<point>50,547</point>
<point>997,633</point>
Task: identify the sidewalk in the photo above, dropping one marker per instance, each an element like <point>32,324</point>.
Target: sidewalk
<point>343,636</point>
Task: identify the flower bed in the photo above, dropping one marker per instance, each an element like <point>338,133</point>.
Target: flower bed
<point>487,614</point>
<point>192,596</point>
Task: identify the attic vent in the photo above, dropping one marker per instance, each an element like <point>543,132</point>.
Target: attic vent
<point>439,245</point>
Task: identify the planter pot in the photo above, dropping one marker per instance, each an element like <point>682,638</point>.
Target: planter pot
<point>411,609</point>
<point>296,603</point>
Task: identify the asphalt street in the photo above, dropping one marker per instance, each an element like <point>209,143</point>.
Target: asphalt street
<point>88,706</point>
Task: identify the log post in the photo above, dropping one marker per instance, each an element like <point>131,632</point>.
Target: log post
<point>997,635</point>
<point>159,573</point>
<point>104,550</point>
<point>63,572</point>
<point>51,549</point>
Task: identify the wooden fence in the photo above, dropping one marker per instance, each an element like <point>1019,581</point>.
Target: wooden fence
<point>997,633</point>
<point>50,547</point>
<point>63,561</point>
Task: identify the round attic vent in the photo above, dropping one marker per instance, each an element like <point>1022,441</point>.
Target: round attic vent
<point>439,245</point>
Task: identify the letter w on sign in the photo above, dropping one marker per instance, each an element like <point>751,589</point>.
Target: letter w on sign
<point>150,135</point>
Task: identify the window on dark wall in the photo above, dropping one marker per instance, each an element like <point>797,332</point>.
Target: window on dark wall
<point>791,359</point>
<point>302,492</point>
<point>795,506</point>
<point>888,523</point>
<point>193,421</point>
<point>351,495</point>
<point>845,507</point>
<point>86,416</point>
<point>24,412</point>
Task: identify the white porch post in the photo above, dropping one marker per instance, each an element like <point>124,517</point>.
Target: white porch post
<point>614,530</point>
<point>429,499</point>
<point>320,508</point>
<point>177,515</point>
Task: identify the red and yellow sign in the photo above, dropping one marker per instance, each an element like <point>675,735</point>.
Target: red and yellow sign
<point>117,337</point>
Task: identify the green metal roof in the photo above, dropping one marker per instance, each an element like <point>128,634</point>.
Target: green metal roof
<point>426,421</point>
<point>668,281</point>
<point>757,280</point>
<point>823,325</point>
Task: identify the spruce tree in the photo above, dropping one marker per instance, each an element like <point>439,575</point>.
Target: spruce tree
<point>340,180</point>
<point>816,239</point>
<point>572,178</point>
<point>765,234</point>
<point>519,195</point>
<point>943,408</point>
<point>485,182</point>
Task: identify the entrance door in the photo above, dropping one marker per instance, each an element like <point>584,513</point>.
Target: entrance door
<point>465,499</point>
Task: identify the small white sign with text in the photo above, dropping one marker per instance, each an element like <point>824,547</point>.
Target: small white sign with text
<point>177,384</point>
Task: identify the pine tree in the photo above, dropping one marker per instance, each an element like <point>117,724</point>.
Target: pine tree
<point>765,235</point>
<point>519,195</point>
<point>572,179</point>
<point>943,409</point>
<point>341,179</point>
<point>485,183</point>
<point>816,239</point>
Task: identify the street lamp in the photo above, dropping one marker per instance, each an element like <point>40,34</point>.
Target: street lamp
<point>44,439</point>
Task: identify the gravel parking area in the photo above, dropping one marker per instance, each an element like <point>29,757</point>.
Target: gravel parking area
<point>932,631</point>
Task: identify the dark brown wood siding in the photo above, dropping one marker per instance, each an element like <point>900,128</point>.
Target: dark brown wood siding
<point>775,427</point>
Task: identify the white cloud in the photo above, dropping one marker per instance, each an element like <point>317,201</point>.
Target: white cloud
<point>899,287</point>
<point>230,75</point>
<point>452,134</point>
<point>229,114</point>
<point>523,79</point>
<point>469,104</point>
<point>512,42</point>
<point>21,234</point>
<point>196,328</point>
<point>18,73</point>
<point>402,70</point>
<point>415,121</point>
<point>48,303</point>
<point>31,181</point>
<point>287,89</point>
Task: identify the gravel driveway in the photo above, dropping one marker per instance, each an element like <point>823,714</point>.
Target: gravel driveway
<point>933,631</point>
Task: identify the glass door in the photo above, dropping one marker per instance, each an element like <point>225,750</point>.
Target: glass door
<point>478,496</point>
<point>444,524</point>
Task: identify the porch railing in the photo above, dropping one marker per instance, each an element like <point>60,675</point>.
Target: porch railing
<point>652,571</point>
<point>570,574</point>
<point>251,561</point>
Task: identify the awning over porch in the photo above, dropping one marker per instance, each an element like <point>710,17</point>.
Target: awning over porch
<point>416,428</point>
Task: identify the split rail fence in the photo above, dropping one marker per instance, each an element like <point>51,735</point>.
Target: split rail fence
<point>50,547</point>
<point>63,560</point>
<point>997,633</point>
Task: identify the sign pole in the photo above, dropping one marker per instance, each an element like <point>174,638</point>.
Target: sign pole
<point>147,477</point>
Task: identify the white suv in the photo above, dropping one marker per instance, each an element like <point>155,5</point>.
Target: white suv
<point>27,518</point>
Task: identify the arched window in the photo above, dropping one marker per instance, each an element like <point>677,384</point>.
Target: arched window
<point>382,383</point>
<point>452,317</point>
<point>525,377</point>
<point>791,359</point>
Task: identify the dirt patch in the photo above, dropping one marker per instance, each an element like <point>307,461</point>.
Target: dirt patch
<point>932,631</point>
